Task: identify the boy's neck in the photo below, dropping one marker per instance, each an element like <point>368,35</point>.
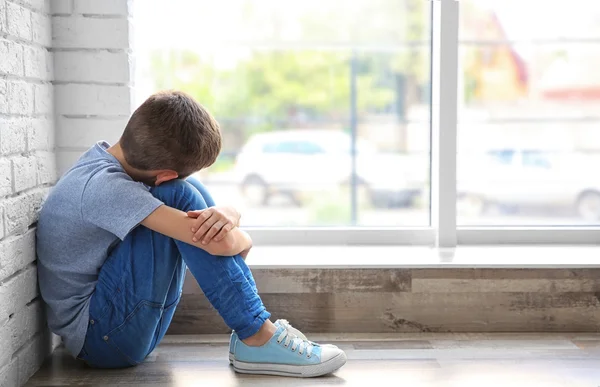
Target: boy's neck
<point>134,173</point>
<point>150,178</point>
<point>117,152</point>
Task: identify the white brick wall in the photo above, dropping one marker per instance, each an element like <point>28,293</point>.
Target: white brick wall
<point>92,72</point>
<point>104,7</point>
<point>90,32</point>
<point>92,66</point>
<point>27,171</point>
<point>89,99</point>
<point>20,97</point>
<point>18,21</point>
<point>12,57</point>
<point>71,134</point>
<point>65,80</point>
<point>3,95</point>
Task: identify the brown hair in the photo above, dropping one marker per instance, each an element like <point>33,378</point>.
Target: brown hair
<point>170,130</point>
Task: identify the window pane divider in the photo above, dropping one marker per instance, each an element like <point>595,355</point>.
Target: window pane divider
<point>444,96</point>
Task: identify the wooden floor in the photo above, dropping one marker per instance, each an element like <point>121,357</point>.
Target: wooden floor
<point>412,360</point>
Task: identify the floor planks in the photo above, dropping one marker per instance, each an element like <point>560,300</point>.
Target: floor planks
<point>419,359</point>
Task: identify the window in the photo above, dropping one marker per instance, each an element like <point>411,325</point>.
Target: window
<point>294,85</point>
<point>392,121</point>
<point>293,147</point>
<point>529,113</point>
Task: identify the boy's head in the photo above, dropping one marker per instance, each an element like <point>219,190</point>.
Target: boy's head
<point>170,135</point>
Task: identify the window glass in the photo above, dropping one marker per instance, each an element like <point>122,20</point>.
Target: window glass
<point>529,112</point>
<point>291,84</point>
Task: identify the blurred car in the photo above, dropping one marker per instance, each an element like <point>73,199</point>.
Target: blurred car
<point>300,163</point>
<point>527,178</point>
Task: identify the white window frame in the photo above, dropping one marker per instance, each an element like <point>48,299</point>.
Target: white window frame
<point>443,232</point>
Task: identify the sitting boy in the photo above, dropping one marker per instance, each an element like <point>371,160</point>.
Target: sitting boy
<point>118,231</point>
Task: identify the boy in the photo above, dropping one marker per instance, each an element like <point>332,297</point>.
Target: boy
<point>118,230</point>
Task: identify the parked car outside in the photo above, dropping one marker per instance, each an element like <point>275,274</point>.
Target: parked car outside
<point>299,163</point>
<point>528,178</point>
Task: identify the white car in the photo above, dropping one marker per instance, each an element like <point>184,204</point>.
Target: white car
<point>528,178</point>
<point>298,162</point>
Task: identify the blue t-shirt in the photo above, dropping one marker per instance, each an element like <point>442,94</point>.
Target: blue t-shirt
<point>93,206</point>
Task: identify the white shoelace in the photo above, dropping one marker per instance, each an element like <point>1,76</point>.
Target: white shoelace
<point>285,323</point>
<point>301,345</point>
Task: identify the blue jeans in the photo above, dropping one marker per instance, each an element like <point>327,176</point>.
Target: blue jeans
<point>140,284</point>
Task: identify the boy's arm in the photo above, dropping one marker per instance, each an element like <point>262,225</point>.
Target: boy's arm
<point>214,222</point>
<point>177,225</point>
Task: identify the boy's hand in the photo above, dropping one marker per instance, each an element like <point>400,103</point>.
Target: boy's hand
<point>213,223</point>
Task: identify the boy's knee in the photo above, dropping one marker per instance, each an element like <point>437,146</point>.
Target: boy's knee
<point>179,194</point>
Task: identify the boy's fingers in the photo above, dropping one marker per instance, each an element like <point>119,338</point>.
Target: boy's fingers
<point>206,225</point>
<point>212,232</point>
<point>201,217</point>
<point>223,232</point>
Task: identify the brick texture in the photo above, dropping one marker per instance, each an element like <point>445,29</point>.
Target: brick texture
<point>40,134</point>
<point>24,172</point>
<point>41,6</point>
<point>27,170</point>
<point>84,132</point>
<point>13,135</point>
<point>18,21</point>
<point>1,222</point>
<point>12,57</point>
<point>5,180</point>
<point>20,97</point>
<point>92,74</point>
<point>3,96</point>
<point>65,82</point>
<point>90,32</point>
<point>61,7</point>
<point>88,99</point>
<point>3,23</point>
<point>38,63</point>
<point>92,66</point>
<point>43,99</point>
<point>104,7</point>
<point>16,253</point>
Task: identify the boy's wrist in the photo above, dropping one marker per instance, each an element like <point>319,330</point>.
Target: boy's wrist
<point>236,215</point>
<point>232,214</point>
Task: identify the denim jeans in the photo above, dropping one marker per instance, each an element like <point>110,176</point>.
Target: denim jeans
<point>140,284</point>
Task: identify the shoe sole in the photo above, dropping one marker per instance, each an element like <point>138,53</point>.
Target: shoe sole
<point>307,371</point>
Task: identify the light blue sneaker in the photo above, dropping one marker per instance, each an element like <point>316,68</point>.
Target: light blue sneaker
<point>285,354</point>
<point>280,322</point>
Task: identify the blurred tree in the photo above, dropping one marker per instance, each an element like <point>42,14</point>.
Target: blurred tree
<point>270,85</point>
<point>263,89</point>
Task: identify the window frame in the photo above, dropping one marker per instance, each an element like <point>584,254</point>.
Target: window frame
<point>443,231</point>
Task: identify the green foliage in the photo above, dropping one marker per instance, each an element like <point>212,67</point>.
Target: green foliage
<point>333,207</point>
<point>270,84</point>
<point>282,81</point>
<point>329,209</point>
<point>263,88</point>
<point>223,164</point>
